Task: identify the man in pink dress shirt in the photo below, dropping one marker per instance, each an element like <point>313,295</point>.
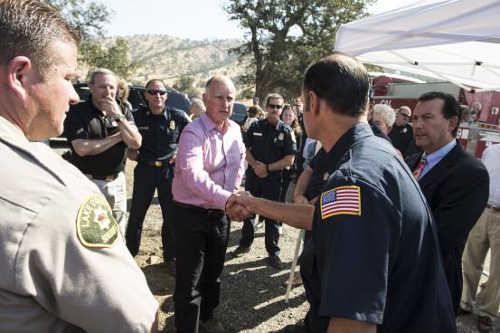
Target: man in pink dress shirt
<point>208,171</point>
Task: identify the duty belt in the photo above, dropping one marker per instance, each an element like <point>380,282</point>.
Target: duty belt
<point>156,164</point>
<point>107,178</point>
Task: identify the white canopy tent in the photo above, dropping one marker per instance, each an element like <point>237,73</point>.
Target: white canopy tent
<point>452,40</point>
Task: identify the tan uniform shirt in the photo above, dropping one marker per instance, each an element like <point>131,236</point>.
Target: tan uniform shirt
<point>64,265</point>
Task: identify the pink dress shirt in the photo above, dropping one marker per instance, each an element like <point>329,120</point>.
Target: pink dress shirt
<point>209,164</point>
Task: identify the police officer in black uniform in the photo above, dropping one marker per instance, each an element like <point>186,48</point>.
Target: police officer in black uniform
<point>374,264</point>
<point>271,147</point>
<point>401,133</point>
<point>100,132</point>
<point>160,127</point>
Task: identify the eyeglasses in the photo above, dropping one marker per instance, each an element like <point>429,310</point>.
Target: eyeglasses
<point>404,115</point>
<point>155,92</point>
<point>274,106</point>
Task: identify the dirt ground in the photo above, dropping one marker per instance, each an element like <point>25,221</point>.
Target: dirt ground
<point>253,294</point>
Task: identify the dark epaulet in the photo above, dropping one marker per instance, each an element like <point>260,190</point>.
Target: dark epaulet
<point>177,112</point>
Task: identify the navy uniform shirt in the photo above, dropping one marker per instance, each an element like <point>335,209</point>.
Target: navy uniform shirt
<point>321,172</point>
<point>270,143</point>
<point>375,256</point>
<point>160,133</point>
<point>85,121</point>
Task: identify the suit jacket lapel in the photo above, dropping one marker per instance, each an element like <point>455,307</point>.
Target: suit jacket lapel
<point>440,169</point>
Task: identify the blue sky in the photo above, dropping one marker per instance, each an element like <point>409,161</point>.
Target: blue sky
<point>193,19</point>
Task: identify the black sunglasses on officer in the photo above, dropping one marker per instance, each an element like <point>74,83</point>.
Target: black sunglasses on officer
<point>155,92</point>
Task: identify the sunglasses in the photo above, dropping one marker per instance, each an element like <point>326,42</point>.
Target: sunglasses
<point>155,92</point>
<point>274,106</point>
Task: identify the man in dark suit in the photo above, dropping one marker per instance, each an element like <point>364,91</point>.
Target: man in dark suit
<point>454,182</point>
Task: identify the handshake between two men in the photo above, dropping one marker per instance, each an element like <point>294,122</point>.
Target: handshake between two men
<point>241,205</point>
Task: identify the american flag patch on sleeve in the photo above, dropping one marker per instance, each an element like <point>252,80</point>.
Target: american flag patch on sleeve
<point>342,200</point>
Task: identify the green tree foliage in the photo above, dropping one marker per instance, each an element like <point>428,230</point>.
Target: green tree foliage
<point>186,85</point>
<point>115,57</point>
<point>89,18</point>
<point>284,36</point>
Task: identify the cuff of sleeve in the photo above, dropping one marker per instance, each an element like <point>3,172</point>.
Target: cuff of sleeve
<point>221,199</point>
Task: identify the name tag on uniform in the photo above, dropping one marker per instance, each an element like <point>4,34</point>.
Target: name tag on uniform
<point>281,136</point>
<point>172,125</point>
<point>257,134</point>
<point>143,128</point>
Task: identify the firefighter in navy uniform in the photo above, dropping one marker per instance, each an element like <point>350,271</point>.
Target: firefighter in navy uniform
<point>361,235</point>
<point>271,147</point>
<point>160,128</point>
<point>374,264</point>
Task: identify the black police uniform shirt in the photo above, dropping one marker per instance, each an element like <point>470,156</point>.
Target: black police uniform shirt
<point>402,137</point>
<point>85,121</point>
<point>160,133</point>
<point>269,143</point>
<point>375,255</point>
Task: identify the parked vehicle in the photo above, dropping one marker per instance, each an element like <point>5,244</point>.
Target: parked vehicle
<point>239,113</point>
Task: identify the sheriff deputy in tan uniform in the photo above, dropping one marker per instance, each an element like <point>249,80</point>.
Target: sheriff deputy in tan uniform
<point>65,267</point>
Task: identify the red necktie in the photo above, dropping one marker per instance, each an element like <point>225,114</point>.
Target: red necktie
<point>419,168</point>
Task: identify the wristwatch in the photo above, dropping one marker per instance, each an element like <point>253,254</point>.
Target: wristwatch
<point>120,118</point>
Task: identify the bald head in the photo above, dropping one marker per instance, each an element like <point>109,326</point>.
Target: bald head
<point>219,98</point>
<point>341,81</point>
<point>219,79</point>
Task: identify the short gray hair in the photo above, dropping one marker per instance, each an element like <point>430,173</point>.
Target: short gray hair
<point>386,113</point>
<point>101,71</point>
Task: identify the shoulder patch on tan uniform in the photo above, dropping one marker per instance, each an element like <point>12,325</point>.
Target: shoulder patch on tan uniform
<point>95,225</point>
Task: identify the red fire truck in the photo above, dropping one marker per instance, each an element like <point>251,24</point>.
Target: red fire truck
<point>479,126</point>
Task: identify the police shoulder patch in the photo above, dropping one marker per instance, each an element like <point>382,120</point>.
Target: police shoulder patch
<point>95,225</point>
<point>342,200</point>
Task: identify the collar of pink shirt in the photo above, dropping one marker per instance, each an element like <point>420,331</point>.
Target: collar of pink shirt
<point>210,124</point>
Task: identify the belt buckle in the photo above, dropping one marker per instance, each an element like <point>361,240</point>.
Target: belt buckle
<point>158,164</point>
<point>109,178</point>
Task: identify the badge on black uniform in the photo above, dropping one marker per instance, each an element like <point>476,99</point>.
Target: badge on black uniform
<point>172,125</point>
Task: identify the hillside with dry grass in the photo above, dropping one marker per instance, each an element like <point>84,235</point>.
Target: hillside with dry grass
<point>168,58</point>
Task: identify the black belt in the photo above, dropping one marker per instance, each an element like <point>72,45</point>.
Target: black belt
<point>156,164</point>
<point>107,178</point>
<point>206,211</point>
<point>496,209</point>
